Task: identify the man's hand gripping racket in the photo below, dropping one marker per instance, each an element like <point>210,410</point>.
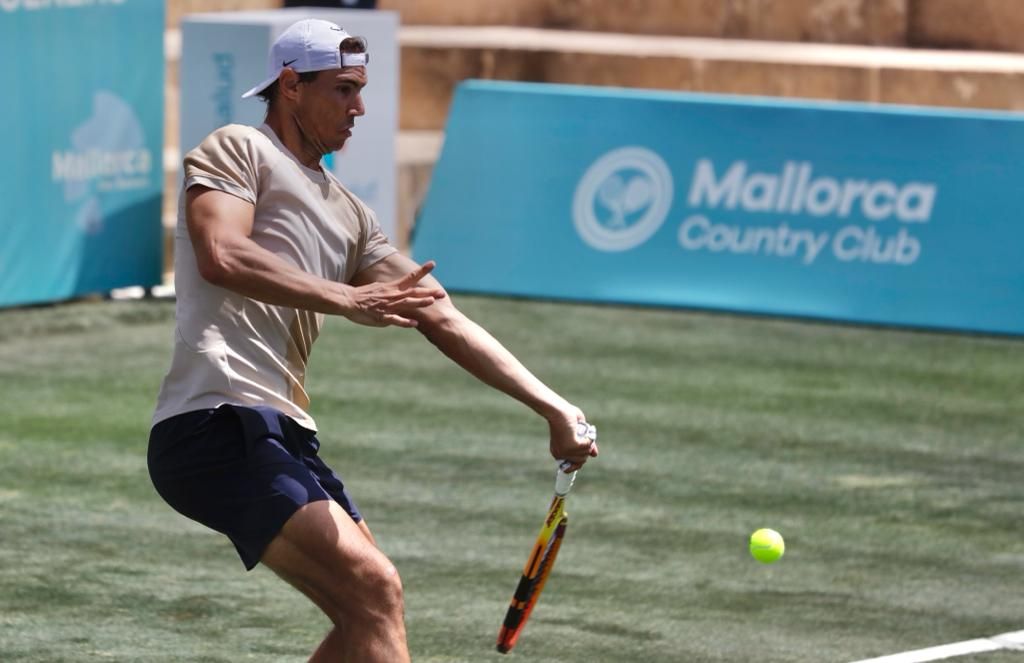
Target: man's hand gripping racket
<point>542,557</point>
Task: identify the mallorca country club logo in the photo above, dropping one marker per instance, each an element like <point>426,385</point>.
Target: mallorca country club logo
<point>622,199</point>
<point>107,155</point>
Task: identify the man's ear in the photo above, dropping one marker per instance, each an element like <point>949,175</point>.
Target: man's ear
<point>288,83</point>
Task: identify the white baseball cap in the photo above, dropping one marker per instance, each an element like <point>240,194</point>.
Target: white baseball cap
<point>309,45</point>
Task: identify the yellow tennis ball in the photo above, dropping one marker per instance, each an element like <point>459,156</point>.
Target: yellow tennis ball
<point>767,546</point>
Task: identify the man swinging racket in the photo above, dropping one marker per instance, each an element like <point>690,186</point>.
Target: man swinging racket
<point>268,243</point>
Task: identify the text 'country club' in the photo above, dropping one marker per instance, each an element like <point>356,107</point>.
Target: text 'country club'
<point>796,191</point>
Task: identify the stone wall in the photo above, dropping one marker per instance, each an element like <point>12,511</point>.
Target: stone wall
<point>963,24</point>
<point>967,24</point>
<point>830,21</point>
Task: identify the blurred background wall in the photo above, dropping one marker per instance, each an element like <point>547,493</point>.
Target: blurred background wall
<point>958,53</point>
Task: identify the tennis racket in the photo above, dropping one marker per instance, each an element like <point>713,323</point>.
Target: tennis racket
<point>542,557</point>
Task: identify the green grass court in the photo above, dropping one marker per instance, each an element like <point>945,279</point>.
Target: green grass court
<point>891,461</point>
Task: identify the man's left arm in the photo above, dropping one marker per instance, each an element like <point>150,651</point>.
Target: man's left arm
<point>470,346</point>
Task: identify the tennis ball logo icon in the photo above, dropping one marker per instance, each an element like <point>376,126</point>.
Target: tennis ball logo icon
<point>622,199</point>
<point>767,546</point>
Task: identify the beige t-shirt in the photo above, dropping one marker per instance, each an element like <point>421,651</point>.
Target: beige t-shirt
<point>232,349</point>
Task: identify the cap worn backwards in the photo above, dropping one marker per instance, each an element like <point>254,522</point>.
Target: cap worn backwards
<point>309,45</point>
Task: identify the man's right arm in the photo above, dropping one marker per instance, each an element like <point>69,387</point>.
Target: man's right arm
<point>220,227</point>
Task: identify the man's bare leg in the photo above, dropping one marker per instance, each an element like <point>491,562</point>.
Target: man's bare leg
<point>334,562</point>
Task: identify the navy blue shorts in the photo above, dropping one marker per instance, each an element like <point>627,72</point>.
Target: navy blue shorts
<point>242,471</point>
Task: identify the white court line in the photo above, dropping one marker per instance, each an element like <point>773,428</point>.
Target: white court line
<point>1013,640</point>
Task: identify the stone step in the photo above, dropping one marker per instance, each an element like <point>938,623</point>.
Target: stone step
<point>436,58</point>
<point>962,24</point>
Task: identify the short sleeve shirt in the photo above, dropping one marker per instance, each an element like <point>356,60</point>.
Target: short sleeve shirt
<point>229,348</point>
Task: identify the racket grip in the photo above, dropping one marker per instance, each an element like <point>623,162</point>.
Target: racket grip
<point>563,479</point>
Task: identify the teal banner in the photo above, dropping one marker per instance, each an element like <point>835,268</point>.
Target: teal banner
<point>890,215</point>
<point>83,112</point>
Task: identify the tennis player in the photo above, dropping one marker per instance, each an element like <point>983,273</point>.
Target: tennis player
<point>268,243</point>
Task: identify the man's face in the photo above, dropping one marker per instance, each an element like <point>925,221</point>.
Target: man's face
<point>330,103</point>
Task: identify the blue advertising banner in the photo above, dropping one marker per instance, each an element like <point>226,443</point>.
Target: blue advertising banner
<point>80,195</point>
<point>898,215</point>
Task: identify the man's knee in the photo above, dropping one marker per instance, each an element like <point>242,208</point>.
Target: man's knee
<point>387,589</point>
<point>376,597</point>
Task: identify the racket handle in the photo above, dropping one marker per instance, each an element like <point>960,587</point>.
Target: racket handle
<point>563,479</point>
